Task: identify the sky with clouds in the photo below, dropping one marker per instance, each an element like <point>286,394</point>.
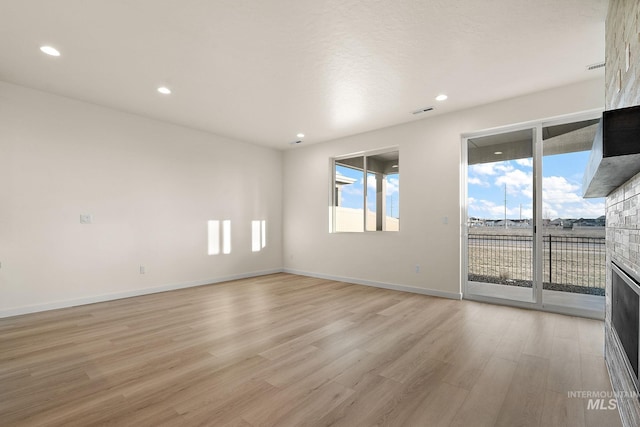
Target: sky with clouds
<point>487,182</point>
<point>561,189</point>
<point>352,194</point>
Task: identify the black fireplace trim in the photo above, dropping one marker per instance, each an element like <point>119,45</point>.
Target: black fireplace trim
<point>615,154</point>
<point>630,272</point>
<point>626,339</point>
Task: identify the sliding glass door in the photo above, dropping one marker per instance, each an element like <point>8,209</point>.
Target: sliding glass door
<point>500,238</point>
<point>530,237</point>
<point>573,227</point>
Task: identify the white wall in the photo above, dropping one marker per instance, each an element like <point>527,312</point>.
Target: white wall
<point>150,186</point>
<point>429,192</point>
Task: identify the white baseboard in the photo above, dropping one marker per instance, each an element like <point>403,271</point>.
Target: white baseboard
<point>392,286</point>
<point>128,294</point>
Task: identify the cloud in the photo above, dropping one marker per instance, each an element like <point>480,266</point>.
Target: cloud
<point>585,209</point>
<point>477,181</point>
<point>525,162</point>
<point>556,189</point>
<point>488,209</point>
<point>352,190</point>
<point>351,195</point>
<point>517,182</point>
<point>562,199</point>
<point>490,168</point>
<point>561,196</point>
<point>392,184</point>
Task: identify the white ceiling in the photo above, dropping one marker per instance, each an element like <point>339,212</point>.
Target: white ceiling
<point>263,70</point>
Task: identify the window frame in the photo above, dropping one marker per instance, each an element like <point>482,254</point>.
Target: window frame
<point>334,194</point>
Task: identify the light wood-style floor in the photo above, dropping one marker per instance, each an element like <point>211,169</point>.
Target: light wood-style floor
<point>285,350</point>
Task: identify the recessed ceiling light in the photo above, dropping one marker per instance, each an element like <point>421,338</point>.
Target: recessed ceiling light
<point>498,152</point>
<point>164,90</point>
<point>300,135</point>
<point>50,50</point>
<point>394,166</point>
<point>441,97</point>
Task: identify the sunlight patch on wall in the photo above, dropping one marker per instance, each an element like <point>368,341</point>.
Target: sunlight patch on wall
<point>226,236</point>
<point>255,236</point>
<point>258,235</point>
<point>213,237</point>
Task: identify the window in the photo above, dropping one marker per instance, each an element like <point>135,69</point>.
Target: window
<point>365,192</point>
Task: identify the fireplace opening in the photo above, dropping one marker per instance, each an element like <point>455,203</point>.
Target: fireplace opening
<point>625,316</point>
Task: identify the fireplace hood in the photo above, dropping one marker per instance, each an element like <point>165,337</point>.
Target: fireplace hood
<point>615,155</point>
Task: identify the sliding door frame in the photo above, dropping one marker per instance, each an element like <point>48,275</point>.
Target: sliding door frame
<point>538,245</point>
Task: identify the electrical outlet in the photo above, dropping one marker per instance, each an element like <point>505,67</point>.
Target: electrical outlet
<point>86,219</point>
<point>142,269</point>
<point>417,269</point>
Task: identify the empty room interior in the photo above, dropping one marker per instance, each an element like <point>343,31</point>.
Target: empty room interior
<point>200,213</point>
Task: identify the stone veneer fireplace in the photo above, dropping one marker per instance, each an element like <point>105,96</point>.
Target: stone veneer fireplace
<point>621,322</point>
<point>622,89</point>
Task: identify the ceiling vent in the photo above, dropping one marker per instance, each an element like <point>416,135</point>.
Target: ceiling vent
<point>595,66</point>
<point>422,110</point>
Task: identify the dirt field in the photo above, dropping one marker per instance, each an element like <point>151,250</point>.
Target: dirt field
<point>576,259</point>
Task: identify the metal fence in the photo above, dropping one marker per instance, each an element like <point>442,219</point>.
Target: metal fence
<point>567,260</point>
